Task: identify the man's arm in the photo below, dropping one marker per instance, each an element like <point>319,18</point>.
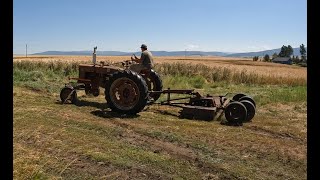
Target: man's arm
<point>136,59</point>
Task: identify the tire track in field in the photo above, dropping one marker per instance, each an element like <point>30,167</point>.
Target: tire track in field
<point>77,164</point>
<point>282,135</point>
<point>177,150</point>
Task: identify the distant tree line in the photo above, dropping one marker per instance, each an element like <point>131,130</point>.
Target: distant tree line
<point>286,51</point>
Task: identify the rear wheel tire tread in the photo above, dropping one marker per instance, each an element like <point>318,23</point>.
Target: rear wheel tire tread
<point>157,82</point>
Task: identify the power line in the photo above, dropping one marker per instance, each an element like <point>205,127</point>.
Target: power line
<point>26,50</point>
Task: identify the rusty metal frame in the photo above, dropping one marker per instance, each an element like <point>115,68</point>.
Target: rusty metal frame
<point>212,112</point>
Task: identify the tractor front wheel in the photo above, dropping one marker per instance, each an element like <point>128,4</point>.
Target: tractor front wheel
<point>68,94</point>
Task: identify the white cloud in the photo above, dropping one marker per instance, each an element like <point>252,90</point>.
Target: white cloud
<point>192,46</point>
<point>257,48</point>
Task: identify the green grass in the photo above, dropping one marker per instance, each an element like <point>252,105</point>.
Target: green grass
<point>262,94</point>
<point>183,82</point>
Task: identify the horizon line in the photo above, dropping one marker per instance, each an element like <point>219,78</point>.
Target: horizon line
<point>161,50</point>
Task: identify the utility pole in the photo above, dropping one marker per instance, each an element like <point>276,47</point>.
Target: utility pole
<point>26,50</point>
<point>185,54</point>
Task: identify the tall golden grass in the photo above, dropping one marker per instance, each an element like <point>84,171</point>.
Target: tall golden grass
<point>231,75</point>
<point>234,70</point>
<point>258,67</point>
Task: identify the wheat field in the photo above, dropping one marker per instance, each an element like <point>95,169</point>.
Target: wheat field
<point>232,63</point>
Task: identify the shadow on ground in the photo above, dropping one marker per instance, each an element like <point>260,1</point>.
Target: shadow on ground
<point>222,122</point>
<point>81,103</point>
<point>103,110</point>
<point>110,114</point>
<point>166,113</point>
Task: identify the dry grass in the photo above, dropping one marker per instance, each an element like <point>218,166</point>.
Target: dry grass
<point>234,64</point>
<point>214,69</point>
<point>87,141</point>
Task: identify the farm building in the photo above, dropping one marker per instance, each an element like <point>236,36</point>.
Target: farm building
<point>282,60</point>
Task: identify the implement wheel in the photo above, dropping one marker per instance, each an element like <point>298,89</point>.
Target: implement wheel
<point>238,96</point>
<point>251,109</point>
<point>249,99</point>
<point>235,112</point>
<point>126,92</point>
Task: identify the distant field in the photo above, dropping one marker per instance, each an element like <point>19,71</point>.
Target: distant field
<point>236,64</point>
<point>87,141</point>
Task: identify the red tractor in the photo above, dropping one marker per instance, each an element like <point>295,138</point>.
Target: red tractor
<point>126,91</point>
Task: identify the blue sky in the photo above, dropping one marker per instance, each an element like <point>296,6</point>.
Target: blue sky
<point>169,25</point>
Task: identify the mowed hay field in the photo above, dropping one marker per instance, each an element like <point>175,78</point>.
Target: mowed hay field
<point>87,141</point>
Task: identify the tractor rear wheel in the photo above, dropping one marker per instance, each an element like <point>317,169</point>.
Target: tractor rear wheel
<point>154,83</point>
<point>126,92</point>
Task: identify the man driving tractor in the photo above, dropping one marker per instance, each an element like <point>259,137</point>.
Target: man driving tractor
<point>145,62</point>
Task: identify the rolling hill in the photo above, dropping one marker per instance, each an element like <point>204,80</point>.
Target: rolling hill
<point>296,52</point>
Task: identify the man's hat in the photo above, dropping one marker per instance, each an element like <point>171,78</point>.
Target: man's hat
<point>143,46</point>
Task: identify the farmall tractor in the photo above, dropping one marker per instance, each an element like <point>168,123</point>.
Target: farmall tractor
<point>128,92</point>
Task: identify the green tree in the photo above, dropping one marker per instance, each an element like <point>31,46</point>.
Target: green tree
<point>275,55</point>
<point>283,51</point>
<point>303,52</point>
<point>266,58</point>
<point>296,59</point>
<point>255,58</point>
<point>286,51</point>
<point>289,51</point>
